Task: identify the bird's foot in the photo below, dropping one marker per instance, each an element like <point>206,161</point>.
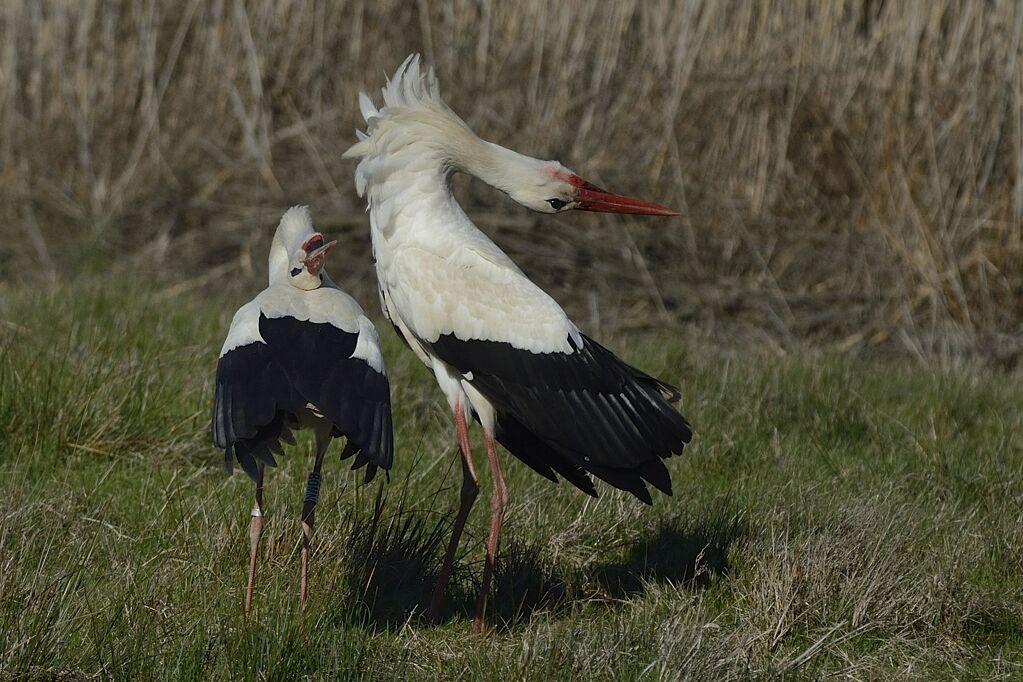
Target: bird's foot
<point>433,612</point>
<point>479,626</point>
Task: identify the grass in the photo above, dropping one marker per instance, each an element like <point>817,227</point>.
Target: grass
<point>833,517</point>
<point>849,179</point>
<point>848,172</point>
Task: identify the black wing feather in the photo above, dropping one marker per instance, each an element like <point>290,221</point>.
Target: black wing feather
<point>573,413</point>
<point>260,386</point>
<point>539,456</point>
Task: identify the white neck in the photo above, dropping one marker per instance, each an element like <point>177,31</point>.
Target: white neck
<point>495,165</point>
<point>419,151</point>
<point>278,262</point>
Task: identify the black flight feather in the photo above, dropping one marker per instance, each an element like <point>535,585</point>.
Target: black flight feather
<point>578,412</point>
<point>261,386</point>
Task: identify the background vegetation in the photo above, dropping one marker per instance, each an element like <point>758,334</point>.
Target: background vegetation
<point>848,172</point>
<point>850,178</point>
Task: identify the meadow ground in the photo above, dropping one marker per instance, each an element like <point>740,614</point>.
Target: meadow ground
<point>845,267</point>
<point>832,517</point>
<point>848,173</point>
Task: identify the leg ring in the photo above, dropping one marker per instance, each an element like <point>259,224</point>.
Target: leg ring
<point>312,487</point>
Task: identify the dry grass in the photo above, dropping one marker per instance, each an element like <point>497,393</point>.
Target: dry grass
<point>847,172</point>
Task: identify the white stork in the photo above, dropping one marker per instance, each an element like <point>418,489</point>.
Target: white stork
<point>300,354</point>
<point>502,350</point>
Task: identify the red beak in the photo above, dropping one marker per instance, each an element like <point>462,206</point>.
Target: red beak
<point>592,198</point>
<point>316,253</point>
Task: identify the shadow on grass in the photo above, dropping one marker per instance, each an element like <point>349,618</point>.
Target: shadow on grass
<point>674,553</point>
<point>394,564</point>
<point>525,583</point>
<point>395,560</point>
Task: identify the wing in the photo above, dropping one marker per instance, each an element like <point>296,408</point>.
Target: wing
<point>252,406</point>
<point>473,292</point>
<point>590,408</point>
<point>322,362</point>
<point>275,363</point>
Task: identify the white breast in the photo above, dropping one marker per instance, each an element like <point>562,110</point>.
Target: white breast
<point>441,275</point>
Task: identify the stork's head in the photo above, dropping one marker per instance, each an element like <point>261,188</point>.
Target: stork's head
<point>549,187</point>
<point>416,132</point>
<point>306,264</point>
<point>298,251</point>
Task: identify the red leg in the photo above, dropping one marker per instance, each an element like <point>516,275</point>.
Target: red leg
<point>470,489</point>
<point>255,530</point>
<point>498,504</point>
<point>312,494</point>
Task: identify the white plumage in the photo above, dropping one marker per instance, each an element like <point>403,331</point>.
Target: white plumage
<point>326,305</point>
<point>301,353</point>
<point>502,350</point>
<point>424,244</point>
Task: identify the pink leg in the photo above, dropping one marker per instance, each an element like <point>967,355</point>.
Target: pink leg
<point>498,504</point>
<point>255,530</point>
<point>470,489</point>
<point>308,520</point>
<point>312,494</point>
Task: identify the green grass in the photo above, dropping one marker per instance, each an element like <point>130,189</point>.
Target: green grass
<point>832,517</point>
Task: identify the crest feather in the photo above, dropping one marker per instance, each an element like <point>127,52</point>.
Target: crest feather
<point>409,89</point>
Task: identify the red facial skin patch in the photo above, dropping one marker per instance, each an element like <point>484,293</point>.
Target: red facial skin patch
<point>590,197</point>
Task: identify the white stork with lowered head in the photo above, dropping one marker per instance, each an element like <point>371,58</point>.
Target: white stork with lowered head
<point>300,354</point>
<point>502,350</point>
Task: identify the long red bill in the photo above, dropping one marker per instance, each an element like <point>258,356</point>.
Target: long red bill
<point>592,198</point>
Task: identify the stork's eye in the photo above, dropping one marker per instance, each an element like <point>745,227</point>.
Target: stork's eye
<point>557,204</point>
<point>295,272</point>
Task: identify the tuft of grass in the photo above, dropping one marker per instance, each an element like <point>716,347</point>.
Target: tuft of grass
<point>832,518</point>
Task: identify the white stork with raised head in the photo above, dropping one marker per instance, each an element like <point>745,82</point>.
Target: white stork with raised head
<point>300,354</point>
<point>502,350</point>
